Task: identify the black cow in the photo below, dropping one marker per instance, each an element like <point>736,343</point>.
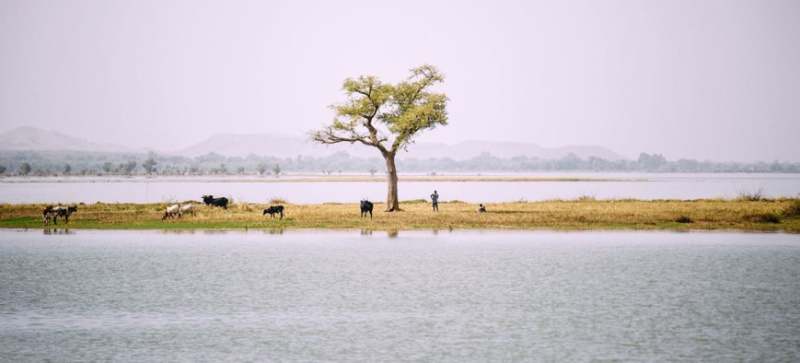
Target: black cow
<point>366,207</point>
<point>215,202</point>
<point>272,210</point>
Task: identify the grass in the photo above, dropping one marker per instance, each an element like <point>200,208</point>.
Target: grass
<point>583,214</point>
<point>792,210</point>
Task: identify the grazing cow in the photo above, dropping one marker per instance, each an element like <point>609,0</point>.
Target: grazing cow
<point>173,211</point>
<point>272,210</point>
<point>215,202</point>
<point>48,214</point>
<point>366,207</point>
<point>187,209</point>
<point>481,208</point>
<point>51,213</point>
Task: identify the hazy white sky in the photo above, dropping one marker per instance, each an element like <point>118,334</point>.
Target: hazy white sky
<point>702,79</point>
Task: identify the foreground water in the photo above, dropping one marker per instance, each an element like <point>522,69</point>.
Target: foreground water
<point>624,185</point>
<point>350,296</point>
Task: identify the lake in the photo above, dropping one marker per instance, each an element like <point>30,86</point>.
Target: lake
<point>411,296</point>
<point>627,185</point>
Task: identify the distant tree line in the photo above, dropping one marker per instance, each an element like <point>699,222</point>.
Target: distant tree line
<point>46,163</point>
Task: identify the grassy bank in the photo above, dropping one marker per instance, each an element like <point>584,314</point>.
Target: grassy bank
<point>584,214</point>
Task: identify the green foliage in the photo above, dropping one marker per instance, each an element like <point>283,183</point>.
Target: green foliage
<point>387,116</point>
<point>149,165</point>
<point>128,167</point>
<point>25,168</point>
<point>93,163</point>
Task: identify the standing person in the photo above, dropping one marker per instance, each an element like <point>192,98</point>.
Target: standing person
<point>435,201</point>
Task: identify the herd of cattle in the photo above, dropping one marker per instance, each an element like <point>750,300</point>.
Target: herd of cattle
<point>52,213</point>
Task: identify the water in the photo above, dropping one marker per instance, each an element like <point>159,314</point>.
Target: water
<point>446,296</point>
<point>656,186</point>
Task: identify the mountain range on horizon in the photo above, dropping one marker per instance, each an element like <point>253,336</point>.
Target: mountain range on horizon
<point>34,139</point>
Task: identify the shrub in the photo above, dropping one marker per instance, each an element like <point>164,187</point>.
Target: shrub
<point>755,196</point>
<point>684,219</point>
<point>277,201</point>
<point>793,210</point>
<point>764,218</point>
<point>586,198</point>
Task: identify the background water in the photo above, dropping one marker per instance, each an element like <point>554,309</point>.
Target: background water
<point>656,186</point>
<point>447,296</point>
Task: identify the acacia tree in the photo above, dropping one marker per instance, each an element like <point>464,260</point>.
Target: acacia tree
<point>387,117</point>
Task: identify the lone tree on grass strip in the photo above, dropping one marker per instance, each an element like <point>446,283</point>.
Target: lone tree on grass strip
<point>387,117</point>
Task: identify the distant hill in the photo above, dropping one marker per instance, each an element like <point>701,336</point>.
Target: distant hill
<point>501,149</point>
<point>290,146</point>
<point>258,144</point>
<point>33,139</point>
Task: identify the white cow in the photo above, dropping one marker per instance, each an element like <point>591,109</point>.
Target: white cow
<point>187,209</point>
<point>172,211</point>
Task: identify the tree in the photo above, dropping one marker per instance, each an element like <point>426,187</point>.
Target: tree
<point>128,167</point>
<point>277,170</point>
<point>24,169</point>
<point>67,169</point>
<point>261,168</point>
<point>2,169</point>
<point>387,117</point>
<point>108,167</point>
<point>149,165</point>
<point>240,170</point>
<point>372,171</point>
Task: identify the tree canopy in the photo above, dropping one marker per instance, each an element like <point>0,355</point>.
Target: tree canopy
<point>387,116</point>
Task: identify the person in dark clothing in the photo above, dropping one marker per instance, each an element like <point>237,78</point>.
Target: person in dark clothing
<point>435,201</point>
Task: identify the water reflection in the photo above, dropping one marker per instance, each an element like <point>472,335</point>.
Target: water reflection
<point>55,231</point>
<point>178,231</point>
<point>390,233</point>
<point>274,231</point>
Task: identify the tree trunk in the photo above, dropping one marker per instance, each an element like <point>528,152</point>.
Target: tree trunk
<point>392,202</point>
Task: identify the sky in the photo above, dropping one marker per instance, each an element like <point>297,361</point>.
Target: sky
<point>707,79</point>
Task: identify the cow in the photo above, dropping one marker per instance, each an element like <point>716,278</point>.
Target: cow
<point>274,209</point>
<point>366,207</point>
<point>215,202</point>
<point>51,213</point>
<point>173,211</point>
<point>48,214</point>
<point>187,209</point>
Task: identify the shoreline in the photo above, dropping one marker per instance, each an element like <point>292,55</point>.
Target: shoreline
<point>770,215</point>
